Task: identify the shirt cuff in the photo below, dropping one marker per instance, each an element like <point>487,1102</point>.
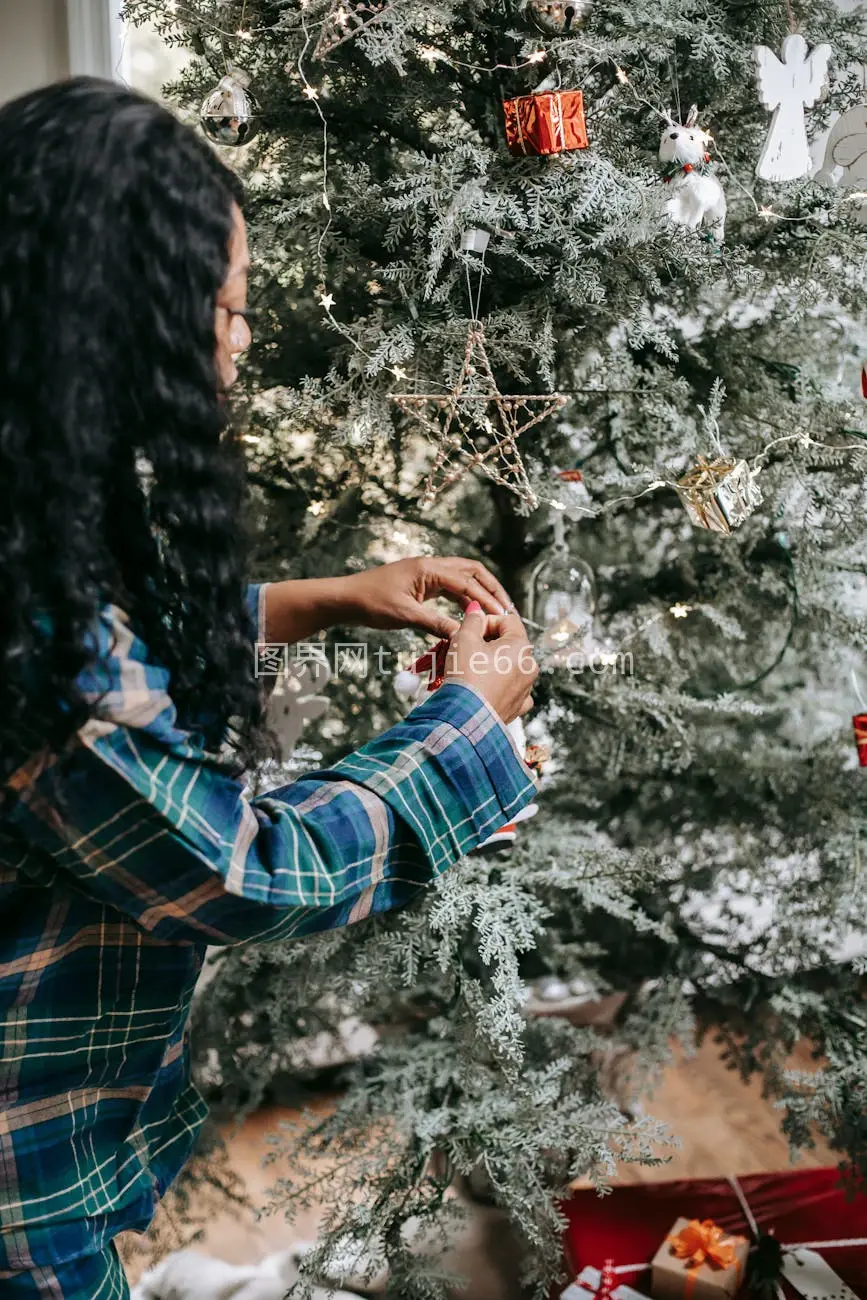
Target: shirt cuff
<point>256,610</point>
<point>465,709</point>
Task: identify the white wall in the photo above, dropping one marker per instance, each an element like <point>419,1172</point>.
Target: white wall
<point>34,45</point>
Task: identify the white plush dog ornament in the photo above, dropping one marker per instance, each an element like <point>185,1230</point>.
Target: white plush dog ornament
<point>697,198</point>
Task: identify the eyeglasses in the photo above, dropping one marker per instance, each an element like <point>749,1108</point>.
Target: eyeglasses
<point>246,313</point>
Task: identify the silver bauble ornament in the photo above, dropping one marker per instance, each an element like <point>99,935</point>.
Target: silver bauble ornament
<point>230,115</point>
<point>558,16</point>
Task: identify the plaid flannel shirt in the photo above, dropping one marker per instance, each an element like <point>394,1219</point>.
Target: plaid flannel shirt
<point>107,905</point>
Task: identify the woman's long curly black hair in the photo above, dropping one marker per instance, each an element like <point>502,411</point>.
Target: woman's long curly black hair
<point>115,221</point>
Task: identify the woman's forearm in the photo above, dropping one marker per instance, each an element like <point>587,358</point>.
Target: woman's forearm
<point>299,608</point>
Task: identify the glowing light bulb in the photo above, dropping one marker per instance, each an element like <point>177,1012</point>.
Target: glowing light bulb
<point>679,610</point>
<point>311,92</point>
<point>315,508</point>
<point>537,56</point>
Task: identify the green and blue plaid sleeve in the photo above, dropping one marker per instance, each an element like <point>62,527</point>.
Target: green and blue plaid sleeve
<point>161,830</point>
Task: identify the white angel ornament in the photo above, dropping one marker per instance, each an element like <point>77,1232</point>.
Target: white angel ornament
<point>787,88</point>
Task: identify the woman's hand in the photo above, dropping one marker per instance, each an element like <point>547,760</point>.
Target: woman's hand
<point>394,595</point>
<point>493,656</point>
<point>391,596</point>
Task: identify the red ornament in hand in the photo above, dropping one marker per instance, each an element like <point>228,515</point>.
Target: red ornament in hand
<point>859,722</point>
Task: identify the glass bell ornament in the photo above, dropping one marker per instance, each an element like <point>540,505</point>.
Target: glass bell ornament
<point>230,114</point>
<point>563,602</point>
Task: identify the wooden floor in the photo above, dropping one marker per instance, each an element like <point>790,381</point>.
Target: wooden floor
<point>725,1126</point>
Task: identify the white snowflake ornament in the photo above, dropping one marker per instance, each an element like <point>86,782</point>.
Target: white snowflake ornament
<point>845,162</point>
<point>294,702</point>
<point>787,87</point>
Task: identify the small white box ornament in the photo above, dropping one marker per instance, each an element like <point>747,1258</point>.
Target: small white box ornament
<point>475,240</point>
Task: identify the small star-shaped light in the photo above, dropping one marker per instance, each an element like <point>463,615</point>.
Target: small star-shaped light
<point>622,77</point>
<point>374,287</point>
<point>315,508</point>
<point>537,56</point>
<point>326,300</point>
<point>766,212</point>
<point>398,372</point>
<point>679,610</point>
<point>311,92</point>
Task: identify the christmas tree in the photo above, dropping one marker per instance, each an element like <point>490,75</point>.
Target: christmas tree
<point>682,517</point>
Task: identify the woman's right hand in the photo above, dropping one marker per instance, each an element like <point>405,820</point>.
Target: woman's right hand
<point>491,654</point>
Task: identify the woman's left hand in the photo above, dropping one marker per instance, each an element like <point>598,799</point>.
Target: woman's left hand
<point>394,595</point>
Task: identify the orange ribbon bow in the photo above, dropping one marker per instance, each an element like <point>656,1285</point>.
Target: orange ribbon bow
<point>702,1242</point>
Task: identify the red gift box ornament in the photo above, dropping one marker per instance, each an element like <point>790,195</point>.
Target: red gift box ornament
<point>552,122</point>
<point>859,722</point>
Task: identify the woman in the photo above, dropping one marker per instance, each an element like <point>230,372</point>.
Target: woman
<point>126,843</point>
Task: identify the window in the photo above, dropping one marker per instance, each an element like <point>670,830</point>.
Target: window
<point>95,45</point>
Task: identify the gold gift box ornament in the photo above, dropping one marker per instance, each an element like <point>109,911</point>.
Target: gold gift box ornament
<point>719,494</point>
<point>698,1261</point>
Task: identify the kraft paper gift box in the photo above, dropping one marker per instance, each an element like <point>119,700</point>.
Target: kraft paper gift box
<point>698,1261</point>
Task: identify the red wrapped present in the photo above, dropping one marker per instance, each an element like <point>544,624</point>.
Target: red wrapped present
<point>859,722</point>
<point>807,1209</point>
<point>548,123</point>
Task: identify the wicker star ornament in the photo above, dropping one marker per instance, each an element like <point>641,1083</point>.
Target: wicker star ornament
<point>477,427</point>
